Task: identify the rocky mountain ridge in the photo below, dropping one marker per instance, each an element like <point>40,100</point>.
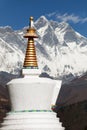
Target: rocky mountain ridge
<point>60,50</point>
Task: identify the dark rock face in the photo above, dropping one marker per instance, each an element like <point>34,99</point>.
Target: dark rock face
<point>74,91</point>
<point>4,94</point>
<point>74,117</point>
<point>4,107</point>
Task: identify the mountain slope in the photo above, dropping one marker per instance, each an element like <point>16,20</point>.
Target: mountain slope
<point>73,92</point>
<point>11,56</point>
<point>61,51</point>
<point>66,49</point>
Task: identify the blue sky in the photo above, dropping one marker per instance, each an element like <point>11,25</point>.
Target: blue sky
<point>16,13</point>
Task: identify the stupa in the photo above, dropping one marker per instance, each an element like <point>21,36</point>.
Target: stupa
<point>32,97</point>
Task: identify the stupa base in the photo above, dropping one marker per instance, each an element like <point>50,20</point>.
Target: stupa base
<point>39,120</point>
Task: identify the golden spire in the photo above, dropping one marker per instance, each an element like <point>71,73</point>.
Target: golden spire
<point>30,57</point>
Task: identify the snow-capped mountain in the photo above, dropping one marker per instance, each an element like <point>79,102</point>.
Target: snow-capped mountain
<point>11,56</point>
<point>65,49</point>
<point>60,50</point>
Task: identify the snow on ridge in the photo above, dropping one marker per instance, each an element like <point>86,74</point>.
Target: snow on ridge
<point>41,31</point>
<point>56,59</point>
<point>41,17</point>
<point>81,36</point>
<point>60,35</point>
<point>9,57</point>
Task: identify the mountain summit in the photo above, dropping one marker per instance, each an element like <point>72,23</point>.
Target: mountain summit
<point>61,50</point>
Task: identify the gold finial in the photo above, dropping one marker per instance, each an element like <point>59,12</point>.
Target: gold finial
<point>31,18</point>
<point>31,21</point>
<point>30,57</point>
<point>31,31</point>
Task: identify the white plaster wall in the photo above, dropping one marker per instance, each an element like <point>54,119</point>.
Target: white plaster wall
<point>33,93</point>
